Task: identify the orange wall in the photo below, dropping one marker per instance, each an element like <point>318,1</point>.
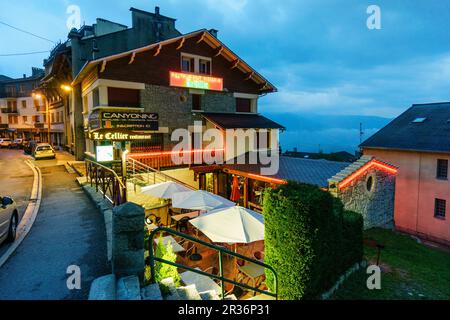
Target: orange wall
<point>416,191</point>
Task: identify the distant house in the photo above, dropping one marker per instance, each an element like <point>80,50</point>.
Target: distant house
<point>418,142</point>
<point>341,156</point>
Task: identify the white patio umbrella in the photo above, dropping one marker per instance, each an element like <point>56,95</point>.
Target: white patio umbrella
<point>164,190</point>
<point>199,200</point>
<point>231,225</point>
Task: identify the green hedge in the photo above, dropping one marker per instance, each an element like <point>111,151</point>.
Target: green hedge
<point>353,251</point>
<point>304,240</point>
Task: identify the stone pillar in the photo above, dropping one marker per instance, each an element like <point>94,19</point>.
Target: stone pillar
<point>128,240</point>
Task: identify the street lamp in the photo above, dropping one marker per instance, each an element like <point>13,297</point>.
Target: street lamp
<point>66,88</point>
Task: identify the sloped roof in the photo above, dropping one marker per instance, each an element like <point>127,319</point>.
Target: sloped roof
<point>4,78</point>
<point>354,170</point>
<point>315,172</point>
<point>431,135</point>
<point>241,121</point>
<point>204,35</point>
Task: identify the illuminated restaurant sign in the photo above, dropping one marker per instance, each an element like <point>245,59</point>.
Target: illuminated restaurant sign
<point>194,81</point>
<point>118,135</point>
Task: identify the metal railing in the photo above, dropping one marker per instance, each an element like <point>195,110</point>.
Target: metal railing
<point>137,170</point>
<point>107,182</point>
<point>221,252</point>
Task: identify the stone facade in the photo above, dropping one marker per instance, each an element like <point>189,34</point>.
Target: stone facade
<point>372,195</point>
<point>128,240</point>
<point>174,106</point>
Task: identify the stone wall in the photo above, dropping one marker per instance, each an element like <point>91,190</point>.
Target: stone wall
<point>174,106</point>
<point>377,204</point>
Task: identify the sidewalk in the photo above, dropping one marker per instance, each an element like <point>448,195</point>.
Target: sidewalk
<point>68,230</point>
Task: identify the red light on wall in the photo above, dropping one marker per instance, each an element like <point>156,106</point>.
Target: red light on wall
<point>169,153</point>
<point>194,81</point>
<point>360,171</point>
<point>267,179</point>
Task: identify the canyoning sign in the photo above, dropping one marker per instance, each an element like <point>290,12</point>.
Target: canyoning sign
<point>134,121</point>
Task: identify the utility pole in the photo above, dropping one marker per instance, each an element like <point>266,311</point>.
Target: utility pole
<point>361,133</point>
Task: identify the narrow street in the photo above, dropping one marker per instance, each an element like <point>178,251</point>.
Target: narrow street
<point>68,231</point>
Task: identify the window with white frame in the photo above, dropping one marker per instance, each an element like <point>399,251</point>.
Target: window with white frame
<point>196,64</point>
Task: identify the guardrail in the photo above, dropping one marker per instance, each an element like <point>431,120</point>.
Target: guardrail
<point>107,182</point>
<point>221,252</point>
<point>152,175</point>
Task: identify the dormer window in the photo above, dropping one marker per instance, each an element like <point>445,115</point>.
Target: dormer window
<point>196,64</point>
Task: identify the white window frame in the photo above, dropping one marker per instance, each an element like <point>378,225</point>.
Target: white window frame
<point>197,59</point>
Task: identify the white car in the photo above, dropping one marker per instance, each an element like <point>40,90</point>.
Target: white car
<point>5,142</point>
<point>9,219</point>
<point>44,150</point>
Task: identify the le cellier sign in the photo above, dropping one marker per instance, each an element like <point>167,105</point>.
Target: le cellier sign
<point>133,121</point>
<point>118,135</point>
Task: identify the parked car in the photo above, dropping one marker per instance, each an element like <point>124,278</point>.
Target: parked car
<point>9,219</point>
<point>5,142</point>
<point>17,143</point>
<point>29,147</point>
<point>44,150</point>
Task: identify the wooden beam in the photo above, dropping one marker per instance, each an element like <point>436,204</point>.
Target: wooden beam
<point>133,56</point>
<point>235,64</point>
<point>202,37</point>
<point>265,85</point>
<point>250,75</point>
<point>181,43</point>
<point>158,50</point>
<point>103,66</point>
<point>219,52</point>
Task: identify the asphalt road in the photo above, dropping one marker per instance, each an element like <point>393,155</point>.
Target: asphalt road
<point>68,231</point>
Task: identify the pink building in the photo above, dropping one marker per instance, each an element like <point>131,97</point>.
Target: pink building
<point>418,143</point>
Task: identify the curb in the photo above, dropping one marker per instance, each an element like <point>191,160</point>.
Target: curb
<point>30,213</point>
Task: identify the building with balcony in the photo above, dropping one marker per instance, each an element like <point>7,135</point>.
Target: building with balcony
<point>19,111</point>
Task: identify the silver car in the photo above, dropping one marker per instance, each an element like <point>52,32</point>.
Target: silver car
<point>9,219</point>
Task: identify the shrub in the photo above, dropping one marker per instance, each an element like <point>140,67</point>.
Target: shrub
<point>163,270</point>
<point>304,240</point>
<point>352,230</point>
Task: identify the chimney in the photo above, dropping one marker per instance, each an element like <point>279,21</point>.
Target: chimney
<point>24,75</point>
<point>214,32</point>
<point>157,10</point>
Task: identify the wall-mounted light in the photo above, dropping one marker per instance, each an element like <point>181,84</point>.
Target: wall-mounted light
<point>66,88</point>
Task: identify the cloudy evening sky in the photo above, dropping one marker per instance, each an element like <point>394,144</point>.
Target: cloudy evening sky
<point>332,72</point>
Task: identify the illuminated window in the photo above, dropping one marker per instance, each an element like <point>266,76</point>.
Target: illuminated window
<point>25,119</point>
<point>442,169</point>
<point>439,208</point>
